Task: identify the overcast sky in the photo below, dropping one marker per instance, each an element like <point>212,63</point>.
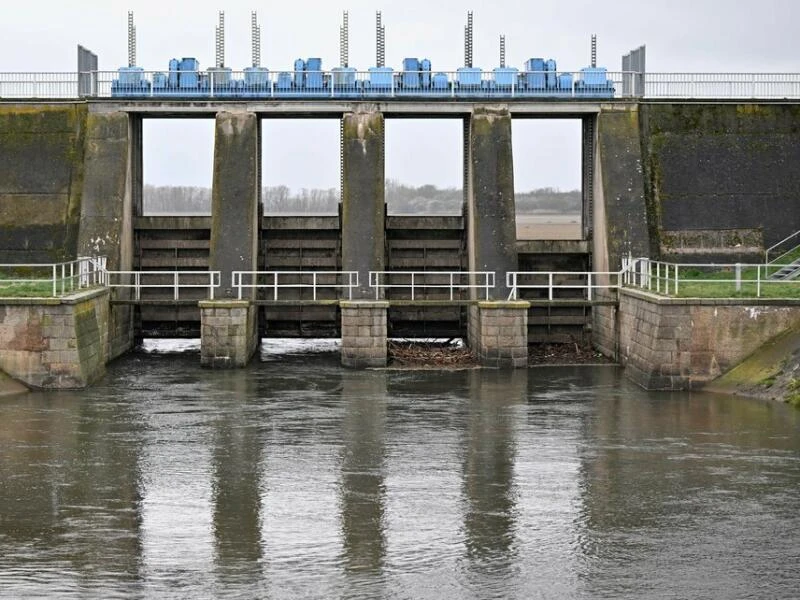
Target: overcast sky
<point>681,36</point>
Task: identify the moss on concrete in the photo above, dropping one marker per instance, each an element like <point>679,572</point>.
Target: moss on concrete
<point>41,172</point>
<point>772,372</point>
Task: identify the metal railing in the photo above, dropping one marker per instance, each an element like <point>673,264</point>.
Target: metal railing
<point>707,280</point>
<point>448,283</point>
<point>51,280</point>
<point>552,281</point>
<point>174,280</point>
<point>774,249</point>
<point>722,85</point>
<point>337,83</point>
<point>338,281</point>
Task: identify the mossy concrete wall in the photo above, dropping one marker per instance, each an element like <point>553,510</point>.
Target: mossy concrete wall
<point>55,343</point>
<point>41,180</point>
<point>235,198</point>
<point>491,217</point>
<point>106,214</point>
<point>675,344</point>
<point>363,197</point>
<point>620,213</point>
<point>721,169</point>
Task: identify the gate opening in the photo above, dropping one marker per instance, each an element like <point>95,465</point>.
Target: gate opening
<point>300,166</point>
<point>548,178</point>
<point>177,166</point>
<point>424,166</point>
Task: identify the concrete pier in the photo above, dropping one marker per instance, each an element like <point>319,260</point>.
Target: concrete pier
<point>364,334</point>
<point>498,334</point>
<point>235,198</point>
<point>106,223</point>
<point>363,201</point>
<point>229,333</point>
<point>491,217</point>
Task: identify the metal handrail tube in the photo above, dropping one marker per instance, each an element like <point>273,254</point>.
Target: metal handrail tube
<point>781,243</point>
<point>62,276</point>
<point>174,277</point>
<point>379,281</point>
<point>238,281</point>
<point>272,84</point>
<point>592,281</point>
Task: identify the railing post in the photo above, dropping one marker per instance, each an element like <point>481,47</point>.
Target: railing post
<point>175,285</point>
<point>412,285</point>
<point>275,285</point>
<point>676,279</point>
<point>314,285</point>
<point>451,285</point>
<point>55,280</point>
<point>758,281</point>
<point>550,286</point>
<point>589,289</point>
<point>137,280</point>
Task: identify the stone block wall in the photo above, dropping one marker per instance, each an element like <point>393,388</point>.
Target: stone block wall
<point>55,343</point>
<point>676,344</point>
<point>364,334</point>
<point>228,333</point>
<point>498,333</point>
<point>605,336</point>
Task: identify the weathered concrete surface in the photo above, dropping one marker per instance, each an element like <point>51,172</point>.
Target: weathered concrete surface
<point>772,372</point>
<point>228,334</point>
<point>364,333</point>
<point>498,334</point>
<point>41,180</point>
<point>363,197</point>
<point>674,344</point>
<point>620,213</point>
<point>10,387</point>
<point>722,167</point>
<point>235,198</point>
<point>106,227</point>
<point>491,221</point>
<point>55,343</point>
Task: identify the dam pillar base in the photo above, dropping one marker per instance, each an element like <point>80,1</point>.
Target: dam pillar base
<point>498,334</point>
<point>228,333</point>
<point>364,334</point>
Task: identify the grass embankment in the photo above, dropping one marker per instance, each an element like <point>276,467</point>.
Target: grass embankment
<point>697,283</point>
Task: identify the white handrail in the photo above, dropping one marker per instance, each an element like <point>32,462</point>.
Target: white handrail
<point>595,280</point>
<point>781,243</point>
<point>393,84</point>
<point>343,280</point>
<point>175,280</point>
<point>415,281</point>
<point>61,278</point>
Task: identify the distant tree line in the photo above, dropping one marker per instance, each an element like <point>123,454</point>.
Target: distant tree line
<point>400,198</point>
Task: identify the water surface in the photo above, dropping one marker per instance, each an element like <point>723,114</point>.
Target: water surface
<point>297,478</point>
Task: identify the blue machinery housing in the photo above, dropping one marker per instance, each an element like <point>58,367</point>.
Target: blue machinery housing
<point>539,79</point>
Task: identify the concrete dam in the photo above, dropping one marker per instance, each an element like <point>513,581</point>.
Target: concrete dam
<point>681,180</point>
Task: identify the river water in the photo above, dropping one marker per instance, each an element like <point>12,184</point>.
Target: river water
<point>296,478</point>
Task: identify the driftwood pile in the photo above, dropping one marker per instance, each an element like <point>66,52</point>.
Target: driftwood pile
<point>436,354</point>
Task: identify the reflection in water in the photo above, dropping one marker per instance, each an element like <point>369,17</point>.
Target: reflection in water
<point>295,478</point>
<point>237,468</point>
<point>489,521</point>
<point>362,487</point>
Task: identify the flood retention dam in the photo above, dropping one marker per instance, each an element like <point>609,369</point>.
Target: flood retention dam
<point>686,181</point>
